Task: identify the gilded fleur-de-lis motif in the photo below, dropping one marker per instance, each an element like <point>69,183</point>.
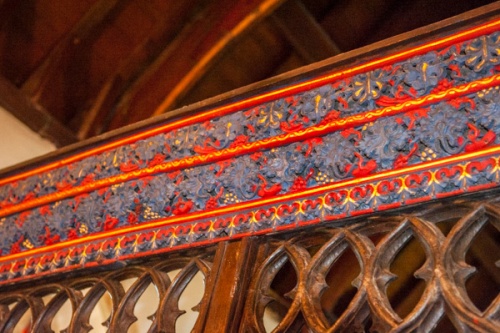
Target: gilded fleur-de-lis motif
<point>482,52</point>
<point>367,86</point>
<point>271,116</point>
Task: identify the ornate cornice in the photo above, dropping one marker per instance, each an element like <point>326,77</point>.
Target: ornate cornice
<point>414,126</point>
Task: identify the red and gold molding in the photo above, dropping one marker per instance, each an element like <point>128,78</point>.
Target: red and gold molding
<point>418,125</point>
<point>430,181</point>
<point>269,143</point>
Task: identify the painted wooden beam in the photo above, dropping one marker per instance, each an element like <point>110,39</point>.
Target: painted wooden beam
<point>363,133</point>
<point>349,23</point>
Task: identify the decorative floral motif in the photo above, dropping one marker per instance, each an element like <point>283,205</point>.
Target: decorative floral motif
<point>487,115</point>
<point>384,86</point>
<point>451,126</point>
<point>424,73</point>
<point>482,51</point>
<point>345,170</point>
<point>387,143</point>
<point>382,140</point>
<point>368,86</point>
<point>363,198</point>
<point>337,153</point>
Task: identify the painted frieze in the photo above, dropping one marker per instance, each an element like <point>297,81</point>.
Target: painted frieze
<point>406,128</point>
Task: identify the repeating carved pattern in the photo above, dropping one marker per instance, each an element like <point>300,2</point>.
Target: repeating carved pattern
<point>414,126</point>
<point>412,78</point>
<point>334,279</point>
<point>44,304</point>
<point>340,152</point>
<point>435,132</point>
<point>298,278</point>
<point>415,77</point>
<point>328,204</point>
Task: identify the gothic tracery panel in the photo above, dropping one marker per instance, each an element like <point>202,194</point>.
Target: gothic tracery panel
<point>144,298</point>
<point>340,279</point>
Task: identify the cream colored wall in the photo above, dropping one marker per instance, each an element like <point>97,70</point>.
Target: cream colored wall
<point>18,143</point>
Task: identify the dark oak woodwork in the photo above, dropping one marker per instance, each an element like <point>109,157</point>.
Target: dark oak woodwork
<point>165,28</point>
<point>69,45</point>
<point>99,65</point>
<point>234,263</point>
<point>304,33</point>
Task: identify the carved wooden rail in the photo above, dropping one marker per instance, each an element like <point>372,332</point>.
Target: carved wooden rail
<point>297,201</point>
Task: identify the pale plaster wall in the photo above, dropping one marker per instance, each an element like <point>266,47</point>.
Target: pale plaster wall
<point>19,143</point>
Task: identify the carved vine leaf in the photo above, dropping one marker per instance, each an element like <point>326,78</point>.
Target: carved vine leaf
<point>487,115</point>
<point>10,233</point>
<point>298,164</point>
<point>276,168</point>
<point>383,140</point>
<point>161,190</point>
<point>83,168</point>
<point>34,228</point>
<point>61,217</point>
<point>241,178</point>
<point>89,212</point>
<point>184,140</point>
<point>225,130</point>
<point>368,86</point>
<point>423,73</point>
<point>270,116</point>
<point>312,106</point>
<point>442,130</point>
<point>146,150</point>
<point>337,152</point>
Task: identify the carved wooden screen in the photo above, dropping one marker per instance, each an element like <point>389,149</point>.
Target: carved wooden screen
<point>298,203</point>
